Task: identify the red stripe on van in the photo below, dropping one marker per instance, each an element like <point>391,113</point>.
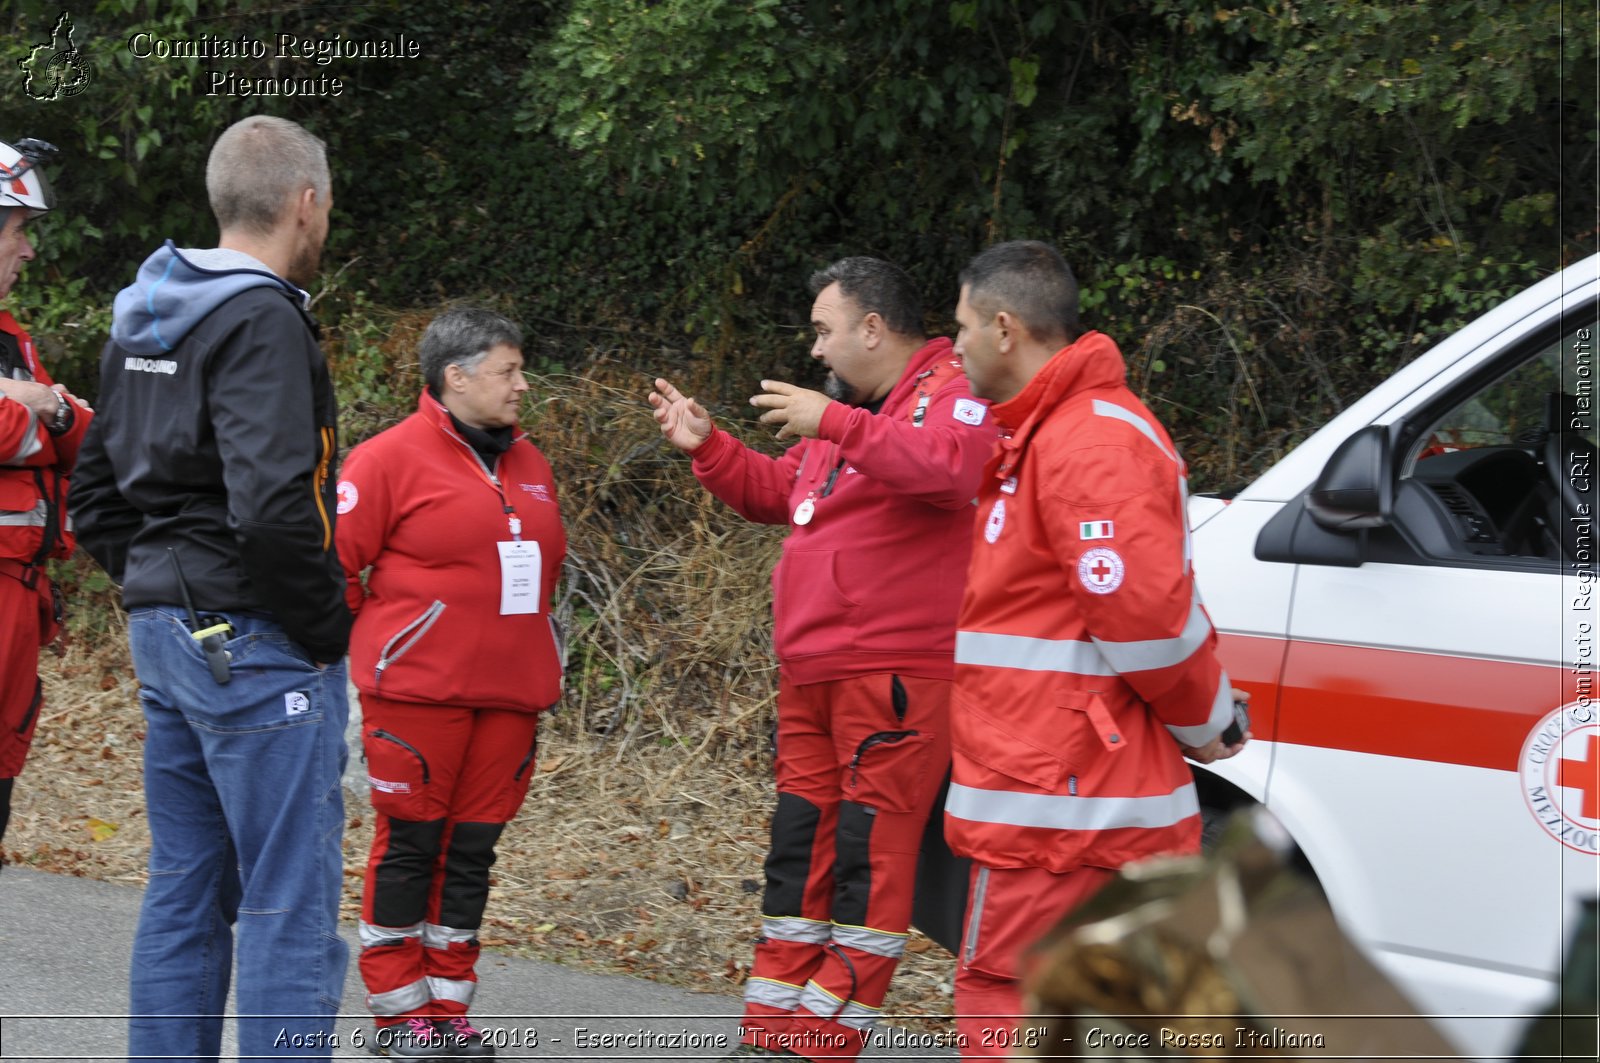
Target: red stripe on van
<point>1421,706</point>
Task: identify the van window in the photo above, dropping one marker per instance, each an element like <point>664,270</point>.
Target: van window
<point>1515,409</point>
<point>1504,466</point>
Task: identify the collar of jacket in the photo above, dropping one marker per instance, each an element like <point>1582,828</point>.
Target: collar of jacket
<point>435,411</point>
<point>1089,363</point>
<point>9,326</point>
<point>925,357</point>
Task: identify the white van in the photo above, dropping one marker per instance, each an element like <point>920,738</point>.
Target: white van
<point>1409,598</point>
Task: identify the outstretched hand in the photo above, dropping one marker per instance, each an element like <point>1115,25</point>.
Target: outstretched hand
<point>798,411</point>
<point>683,422</point>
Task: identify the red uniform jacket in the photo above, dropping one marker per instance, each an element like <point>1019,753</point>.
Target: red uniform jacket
<point>33,467</point>
<point>1084,657</point>
<point>419,507</point>
<point>872,581</point>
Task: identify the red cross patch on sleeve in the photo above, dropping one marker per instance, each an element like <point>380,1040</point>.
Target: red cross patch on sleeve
<point>1101,570</point>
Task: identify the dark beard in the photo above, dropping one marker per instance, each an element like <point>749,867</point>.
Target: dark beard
<point>303,270</point>
<point>839,390</point>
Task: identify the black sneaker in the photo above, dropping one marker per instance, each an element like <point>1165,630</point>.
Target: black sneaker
<point>413,1039</point>
<point>464,1039</point>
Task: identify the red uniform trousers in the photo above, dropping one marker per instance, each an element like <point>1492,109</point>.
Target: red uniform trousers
<point>25,625</point>
<point>445,781</point>
<point>1008,910</point>
<point>859,763</point>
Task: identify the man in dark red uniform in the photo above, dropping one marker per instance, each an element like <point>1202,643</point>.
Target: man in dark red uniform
<point>878,500</point>
<point>41,425</point>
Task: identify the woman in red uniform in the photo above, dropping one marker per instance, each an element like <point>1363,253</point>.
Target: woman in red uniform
<point>452,515</point>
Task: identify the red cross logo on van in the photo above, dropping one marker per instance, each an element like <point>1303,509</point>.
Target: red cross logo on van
<point>1583,775</point>
<point>1560,772</point>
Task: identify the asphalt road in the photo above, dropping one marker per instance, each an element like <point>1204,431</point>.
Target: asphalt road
<point>65,942</point>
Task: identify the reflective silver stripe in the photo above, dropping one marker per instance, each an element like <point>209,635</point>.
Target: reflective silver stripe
<point>25,518</point>
<point>561,652</point>
<point>399,1001</point>
<point>793,928</point>
<point>1183,507</point>
<point>1149,654</point>
<point>452,989</point>
<point>442,937</point>
<point>1072,656</point>
<point>30,438</point>
<point>1221,715</point>
<point>969,947</point>
<point>877,942</point>
<point>420,625</point>
<point>771,993</point>
<point>825,1005</point>
<point>1112,410</point>
<point>1058,812</point>
<point>371,935</point>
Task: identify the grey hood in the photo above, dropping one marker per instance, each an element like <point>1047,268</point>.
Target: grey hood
<point>175,290</point>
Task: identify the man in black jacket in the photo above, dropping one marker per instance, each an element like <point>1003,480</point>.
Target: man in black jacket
<point>206,490</point>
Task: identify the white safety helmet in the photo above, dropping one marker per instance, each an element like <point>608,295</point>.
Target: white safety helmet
<point>22,182</point>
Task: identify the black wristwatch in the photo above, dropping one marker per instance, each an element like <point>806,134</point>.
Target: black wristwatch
<point>63,418</point>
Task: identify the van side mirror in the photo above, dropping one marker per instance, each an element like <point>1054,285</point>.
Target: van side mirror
<point>1356,488</point>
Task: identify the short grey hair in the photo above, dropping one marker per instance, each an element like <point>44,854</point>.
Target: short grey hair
<point>462,337</point>
<point>876,287</point>
<point>257,166</point>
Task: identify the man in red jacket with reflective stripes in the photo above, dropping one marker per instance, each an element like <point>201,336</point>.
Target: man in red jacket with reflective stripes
<point>1086,668</point>
<point>878,500</point>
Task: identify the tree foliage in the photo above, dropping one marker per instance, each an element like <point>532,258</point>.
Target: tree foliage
<point>1267,205</point>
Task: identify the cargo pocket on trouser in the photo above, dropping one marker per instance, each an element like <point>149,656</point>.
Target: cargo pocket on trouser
<point>15,740</point>
<point>398,774</point>
<point>880,829</point>
<point>889,770</point>
<point>407,832</point>
<point>516,788</point>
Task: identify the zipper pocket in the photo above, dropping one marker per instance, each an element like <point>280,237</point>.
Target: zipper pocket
<point>416,629</point>
<point>33,706</point>
<point>881,738</point>
<point>517,777</point>
<point>385,736</point>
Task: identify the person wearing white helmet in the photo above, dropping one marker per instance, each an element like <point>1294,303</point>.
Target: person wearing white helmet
<point>41,425</point>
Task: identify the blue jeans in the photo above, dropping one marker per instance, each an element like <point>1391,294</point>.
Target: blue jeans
<point>246,818</point>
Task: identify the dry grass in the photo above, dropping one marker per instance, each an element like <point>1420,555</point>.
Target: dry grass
<point>639,848</point>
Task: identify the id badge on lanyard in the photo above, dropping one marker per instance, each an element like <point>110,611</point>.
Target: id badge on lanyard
<point>519,577</point>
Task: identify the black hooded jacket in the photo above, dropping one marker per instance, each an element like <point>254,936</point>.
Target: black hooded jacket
<point>216,436</point>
